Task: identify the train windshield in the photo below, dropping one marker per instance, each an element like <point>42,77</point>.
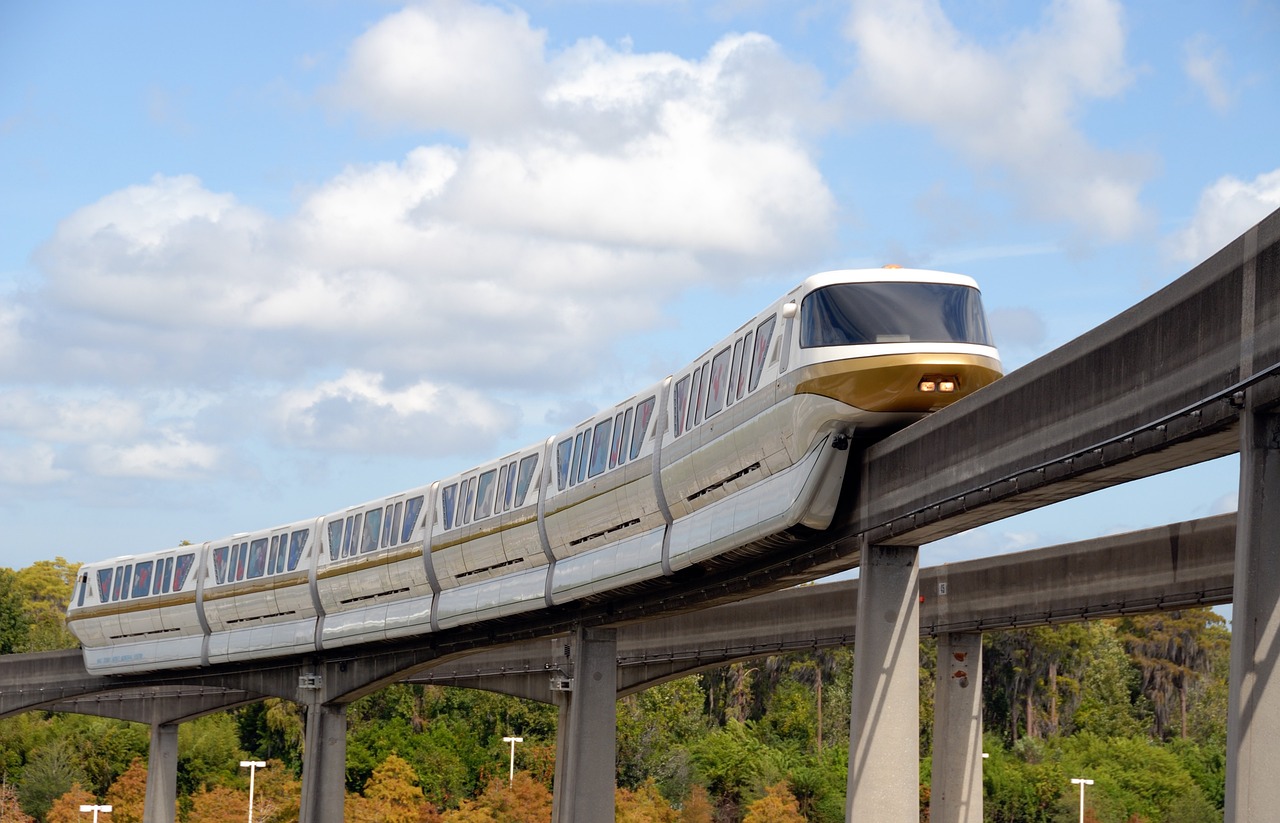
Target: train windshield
<point>857,313</point>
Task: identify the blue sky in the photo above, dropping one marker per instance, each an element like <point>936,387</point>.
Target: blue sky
<point>260,262</point>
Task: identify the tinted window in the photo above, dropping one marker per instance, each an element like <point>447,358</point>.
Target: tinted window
<point>735,371</point>
<point>142,578</point>
<point>600,447</point>
<point>505,479</point>
<point>747,348</point>
<point>258,557</point>
<point>387,517</point>
<point>527,466</point>
<point>395,523</point>
<point>643,412</point>
<point>857,313</point>
<point>411,510</point>
<point>347,530</point>
<point>617,440</point>
<point>128,575</point>
<point>719,379</point>
<point>564,453</point>
<point>183,568</point>
<point>466,494</point>
<point>695,400</point>
<point>104,585</point>
<point>624,435</point>
<point>335,539</point>
<point>448,499</point>
<point>220,563</point>
<point>764,334</point>
<point>681,395</point>
<point>167,576</point>
<point>297,542</point>
<point>484,493</point>
<point>372,531</point>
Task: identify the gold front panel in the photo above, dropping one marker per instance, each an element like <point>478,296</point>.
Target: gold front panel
<point>890,383</point>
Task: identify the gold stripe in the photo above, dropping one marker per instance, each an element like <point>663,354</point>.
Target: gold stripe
<point>130,606</point>
<point>889,383</point>
<point>225,590</point>
<point>373,561</point>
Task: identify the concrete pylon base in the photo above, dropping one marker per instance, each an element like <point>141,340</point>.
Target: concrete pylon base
<point>587,734</point>
<point>956,792</point>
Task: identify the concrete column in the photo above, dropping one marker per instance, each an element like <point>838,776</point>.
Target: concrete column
<point>956,793</point>
<point>587,736</point>
<point>161,804</point>
<point>324,764</point>
<point>884,734</point>
<point>1253,706</point>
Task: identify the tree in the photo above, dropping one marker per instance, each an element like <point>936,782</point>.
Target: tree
<point>15,624</point>
<point>644,805</point>
<point>47,586</point>
<point>221,804</point>
<point>11,810</point>
<point>128,795</point>
<point>697,807</point>
<point>777,806</point>
<point>392,795</point>
<point>524,801</point>
<point>66,809</point>
<point>51,773</point>
<point>1173,650</point>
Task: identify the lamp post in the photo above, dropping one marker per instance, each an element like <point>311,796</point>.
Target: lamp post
<point>1082,782</point>
<point>511,777</point>
<point>87,807</point>
<point>252,766</point>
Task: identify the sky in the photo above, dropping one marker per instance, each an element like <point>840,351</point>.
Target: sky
<point>261,262</point>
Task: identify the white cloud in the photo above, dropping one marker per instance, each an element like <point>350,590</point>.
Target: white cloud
<point>357,412</point>
<point>172,455</point>
<point>1012,109</point>
<point>1226,210</point>
<point>66,420</point>
<point>34,464</point>
<point>1204,63</point>
<point>447,65</point>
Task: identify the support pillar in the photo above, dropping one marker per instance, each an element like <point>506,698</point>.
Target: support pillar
<point>324,764</point>
<point>161,805</point>
<point>587,735</point>
<point>956,791</point>
<point>884,734</point>
<point>1253,705</point>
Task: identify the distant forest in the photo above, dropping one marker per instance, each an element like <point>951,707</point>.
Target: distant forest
<point>1137,704</point>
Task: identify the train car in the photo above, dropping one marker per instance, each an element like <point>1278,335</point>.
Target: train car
<point>719,460</point>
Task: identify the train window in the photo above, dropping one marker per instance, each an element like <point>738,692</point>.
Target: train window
<point>564,452</point>
<point>84,584</point>
<point>158,577</point>
<point>350,531</point>
<point>466,495</point>
<point>411,510</point>
<point>719,378</point>
<point>396,511</point>
<point>764,334</point>
<point>372,531</point>
<point>127,577</point>
<point>386,526</point>
<point>616,445</point>
<point>448,501</point>
<point>577,458</point>
<point>235,560</point>
<point>220,564</point>
<point>485,493</point>
<point>511,487</point>
<point>273,553</point>
<point>600,448</point>
<point>257,564</point>
<point>280,558</point>
<point>695,400</point>
<point>297,542</point>
<point>335,538</point>
<point>622,435</point>
<point>643,414</point>
<point>183,568</point>
<point>747,344</point>
<point>852,313</point>
<point>527,466</point>
<point>142,578</point>
<point>356,533</point>
<point>735,372</point>
<point>681,395</point>
<point>104,585</point>
<point>505,476</point>
<point>581,459</point>
<point>168,576</point>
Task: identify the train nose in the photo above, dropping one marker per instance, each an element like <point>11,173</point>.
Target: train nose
<point>901,383</point>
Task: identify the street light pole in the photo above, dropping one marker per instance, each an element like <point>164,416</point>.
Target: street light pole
<point>252,766</point>
<point>511,777</point>
<point>87,807</point>
<point>1082,782</point>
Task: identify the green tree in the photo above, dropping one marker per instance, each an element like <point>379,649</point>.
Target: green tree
<point>1111,701</point>
<point>51,773</point>
<point>15,624</point>
<point>46,586</point>
<point>1173,651</point>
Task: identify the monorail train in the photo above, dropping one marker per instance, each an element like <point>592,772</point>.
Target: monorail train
<point>748,441</point>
